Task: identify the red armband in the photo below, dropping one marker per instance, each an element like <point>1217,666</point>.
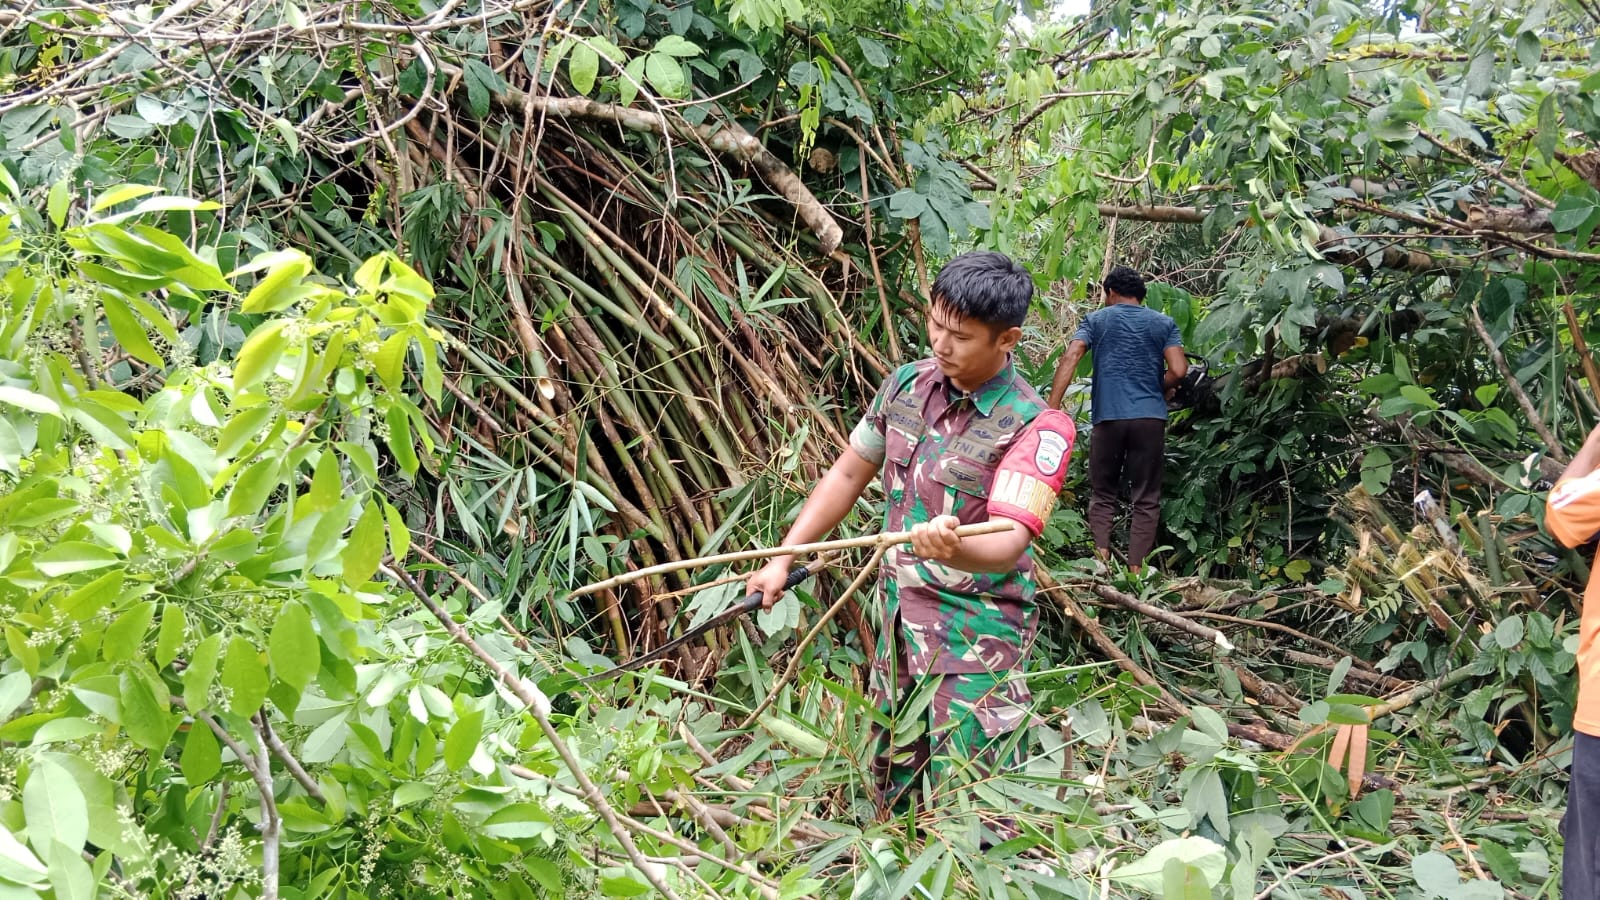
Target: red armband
<point>1032,471</point>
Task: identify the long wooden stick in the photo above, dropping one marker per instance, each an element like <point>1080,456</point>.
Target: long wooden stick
<point>1590,373</point>
<point>886,539</point>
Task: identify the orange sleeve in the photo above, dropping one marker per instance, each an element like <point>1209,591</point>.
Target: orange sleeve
<point>1572,511</point>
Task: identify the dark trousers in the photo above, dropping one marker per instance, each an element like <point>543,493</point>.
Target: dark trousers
<point>1580,827</point>
<point>1132,449</point>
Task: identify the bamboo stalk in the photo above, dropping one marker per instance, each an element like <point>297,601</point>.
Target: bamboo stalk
<point>1590,373</point>
<point>887,538</point>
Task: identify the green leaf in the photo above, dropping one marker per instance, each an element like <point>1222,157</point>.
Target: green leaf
<point>202,755</point>
<point>1179,880</point>
<point>122,193</point>
<point>70,876</point>
<point>1528,49</point>
<point>400,441</point>
<point>907,204</point>
<point>665,74</point>
<point>28,400</point>
<point>170,637</point>
<point>1375,810</point>
<point>462,740</point>
<point>519,820</point>
<point>87,601</point>
<point>57,201</point>
<point>583,67</point>
<point>68,557</point>
<point>1435,874</point>
<point>54,807</point>
<point>325,742</point>
<point>244,677</point>
<point>1148,872</point>
<point>125,637</point>
<point>1504,866</point>
<point>144,714</point>
<point>632,77</point>
<point>390,360</point>
<point>128,332</point>
<point>68,729</point>
<point>17,863</point>
<point>296,656</point>
<point>482,83</point>
<point>14,689</point>
<point>254,486</point>
<point>259,355</point>
<point>1208,722</point>
<point>1418,395</point>
<point>277,289</point>
<point>673,45</point>
<point>1574,210</point>
<point>1508,634</point>
<point>202,670</point>
<point>794,735</point>
<point>365,548</point>
<point>399,534</point>
<point>873,52</point>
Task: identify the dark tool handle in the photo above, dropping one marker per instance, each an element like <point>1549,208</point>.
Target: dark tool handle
<point>750,603</point>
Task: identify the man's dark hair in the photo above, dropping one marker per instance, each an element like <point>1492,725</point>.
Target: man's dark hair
<point>987,286</point>
<point>1125,282</point>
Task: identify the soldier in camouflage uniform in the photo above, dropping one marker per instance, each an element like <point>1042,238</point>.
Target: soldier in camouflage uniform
<point>958,439</point>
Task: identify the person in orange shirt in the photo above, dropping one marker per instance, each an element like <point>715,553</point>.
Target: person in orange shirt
<point>1572,513</point>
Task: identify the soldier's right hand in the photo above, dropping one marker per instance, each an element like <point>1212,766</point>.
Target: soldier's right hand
<point>769,580</point>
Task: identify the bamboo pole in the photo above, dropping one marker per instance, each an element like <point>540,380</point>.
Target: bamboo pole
<point>1590,373</point>
<point>887,538</point>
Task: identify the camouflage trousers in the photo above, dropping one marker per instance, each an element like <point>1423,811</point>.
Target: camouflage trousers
<point>947,729</point>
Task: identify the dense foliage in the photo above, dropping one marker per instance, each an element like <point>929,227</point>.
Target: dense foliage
<point>340,341</point>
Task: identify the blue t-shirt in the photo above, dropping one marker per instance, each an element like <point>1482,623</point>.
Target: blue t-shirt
<point>1128,341</point>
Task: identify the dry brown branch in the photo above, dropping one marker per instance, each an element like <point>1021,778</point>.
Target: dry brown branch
<point>726,137</point>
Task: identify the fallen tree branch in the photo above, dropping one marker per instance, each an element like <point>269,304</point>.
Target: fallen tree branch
<point>1332,243</point>
<point>1107,647</point>
<point>1164,616</point>
<point>1421,692</point>
<point>725,136</point>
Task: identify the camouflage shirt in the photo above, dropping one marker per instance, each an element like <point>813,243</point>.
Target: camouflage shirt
<point>940,448</point>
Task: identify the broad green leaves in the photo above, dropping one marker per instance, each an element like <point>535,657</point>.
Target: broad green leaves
<point>165,543</point>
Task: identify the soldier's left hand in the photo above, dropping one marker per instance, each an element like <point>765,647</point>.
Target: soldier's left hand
<point>936,539</point>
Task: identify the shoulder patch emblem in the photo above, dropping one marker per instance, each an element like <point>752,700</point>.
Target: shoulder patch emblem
<point>1052,447</point>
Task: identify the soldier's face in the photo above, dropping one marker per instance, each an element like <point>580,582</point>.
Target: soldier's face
<point>968,352</point>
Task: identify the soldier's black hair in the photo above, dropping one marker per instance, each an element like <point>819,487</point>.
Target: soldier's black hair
<point>987,286</point>
<point>1125,281</point>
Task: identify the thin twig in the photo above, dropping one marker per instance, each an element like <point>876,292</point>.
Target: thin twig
<point>1305,867</point>
<point>1552,446</point>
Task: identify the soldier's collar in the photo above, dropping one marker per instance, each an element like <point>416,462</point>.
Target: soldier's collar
<point>987,394</point>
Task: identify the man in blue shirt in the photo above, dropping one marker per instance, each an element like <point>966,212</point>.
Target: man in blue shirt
<point>1138,360</point>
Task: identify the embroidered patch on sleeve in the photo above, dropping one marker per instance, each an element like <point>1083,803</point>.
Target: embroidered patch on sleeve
<point>1052,450</point>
